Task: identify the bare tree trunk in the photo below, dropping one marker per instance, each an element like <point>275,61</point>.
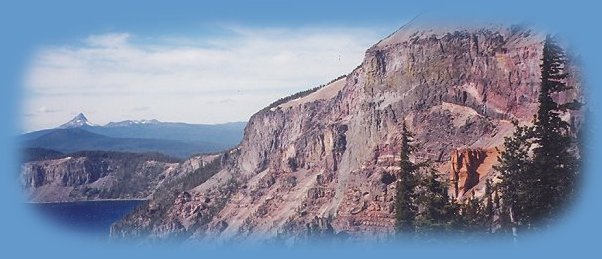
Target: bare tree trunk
<point>514,229</point>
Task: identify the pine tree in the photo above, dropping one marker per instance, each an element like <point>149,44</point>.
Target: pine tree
<point>503,223</point>
<point>489,209</point>
<point>405,211</point>
<point>433,203</point>
<point>554,164</point>
<point>472,211</point>
<point>539,165</point>
<point>515,169</point>
<point>453,214</point>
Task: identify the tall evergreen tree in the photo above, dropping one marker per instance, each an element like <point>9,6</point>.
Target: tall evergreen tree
<point>514,166</point>
<point>554,164</point>
<point>405,211</point>
<point>433,202</point>
<point>539,165</point>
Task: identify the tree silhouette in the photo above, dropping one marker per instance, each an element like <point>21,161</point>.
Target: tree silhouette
<point>405,211</point>
<point>539,164</point>
<point>555,164</point>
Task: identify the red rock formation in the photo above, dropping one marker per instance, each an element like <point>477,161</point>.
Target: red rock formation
<point>464,175</point>
<point>468,167</point>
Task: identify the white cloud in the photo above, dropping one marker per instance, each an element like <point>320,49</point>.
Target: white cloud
<point>184,78</point>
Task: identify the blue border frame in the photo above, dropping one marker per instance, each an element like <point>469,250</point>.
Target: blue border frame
<point>27,24</point>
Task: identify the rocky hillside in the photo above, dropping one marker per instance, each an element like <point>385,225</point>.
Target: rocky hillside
<point>326,161</point>
<point>97,175</point>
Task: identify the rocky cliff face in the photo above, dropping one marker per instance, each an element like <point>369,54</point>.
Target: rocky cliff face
<point>100,175</point>
<point>329,159</point>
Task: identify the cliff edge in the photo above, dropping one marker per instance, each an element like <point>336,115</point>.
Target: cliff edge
<point>326,159</point>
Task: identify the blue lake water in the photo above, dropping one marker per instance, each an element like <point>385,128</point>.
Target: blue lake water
<point>94,217</point>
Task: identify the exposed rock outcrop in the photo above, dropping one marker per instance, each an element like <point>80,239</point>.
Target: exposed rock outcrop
<point>468,168</point>
<point>456,87</point>
<point>101,175</point>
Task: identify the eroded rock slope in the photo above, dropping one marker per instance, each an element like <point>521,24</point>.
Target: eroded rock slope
<point>331,156</point>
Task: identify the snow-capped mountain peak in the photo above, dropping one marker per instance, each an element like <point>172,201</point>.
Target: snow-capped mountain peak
<point>79,120</point>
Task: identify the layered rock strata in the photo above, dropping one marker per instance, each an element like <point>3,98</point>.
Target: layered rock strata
<point>333,154</point>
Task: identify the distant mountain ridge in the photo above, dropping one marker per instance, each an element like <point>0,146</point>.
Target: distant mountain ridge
<point>131,122</point>
<point>171,138</point>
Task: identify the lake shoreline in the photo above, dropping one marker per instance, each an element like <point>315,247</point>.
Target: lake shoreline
<point>101,200</point>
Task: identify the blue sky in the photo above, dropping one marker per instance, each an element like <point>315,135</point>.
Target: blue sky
<point>29,28</point>
<point>191,62</point>
<point>194,77</point>
<point>197,62</point>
